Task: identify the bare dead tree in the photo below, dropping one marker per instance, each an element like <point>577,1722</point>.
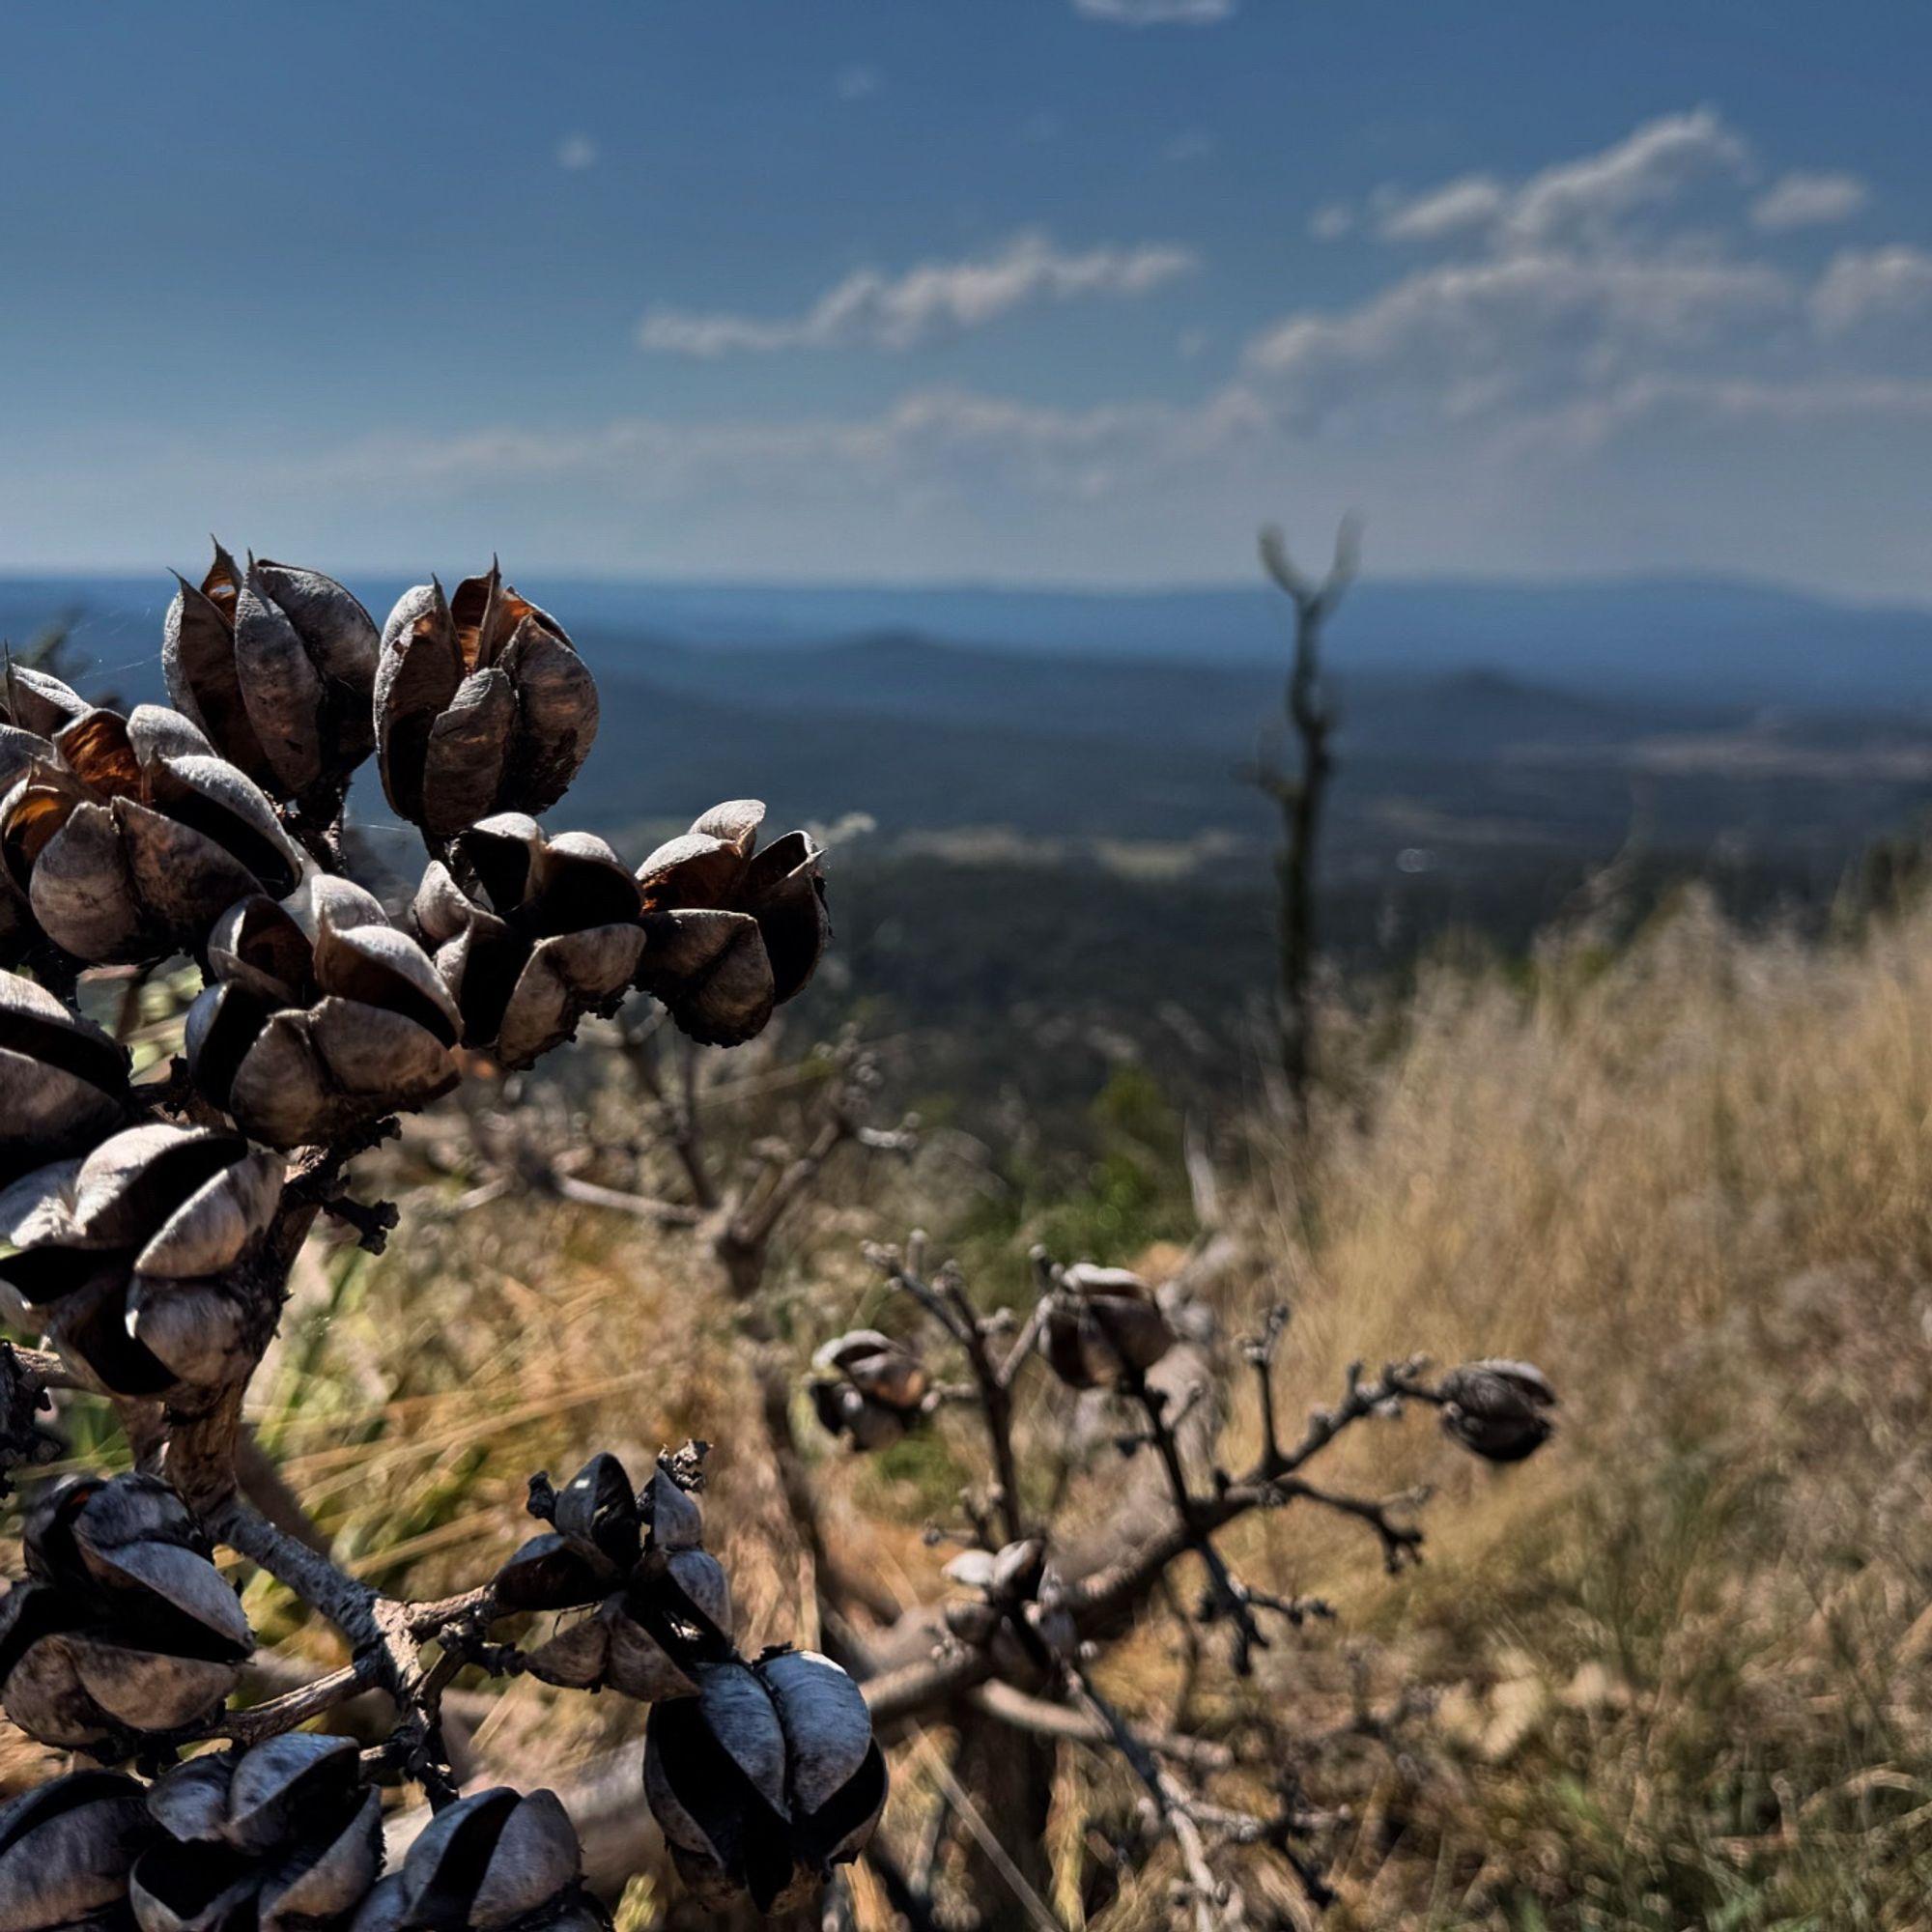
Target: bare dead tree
<point>1300,795</point>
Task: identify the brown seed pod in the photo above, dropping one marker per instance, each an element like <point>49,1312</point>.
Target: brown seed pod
<point>126,1255</point>
<point>282,1837</point>
<point>277,667</point>
<point>491,1863</point>
<point>547,933</point>
<point>132,844</point>
<point>730,931</point>
<point>66,1082</point>
<point>124,1626</point>
<point>867,1387</point>
<point>482,707</point>
<point>322,1017</point>
<point>1103,1327</point>
<point>1498,1410</point>
<point>766,1779</point>
<point>66,1849</point>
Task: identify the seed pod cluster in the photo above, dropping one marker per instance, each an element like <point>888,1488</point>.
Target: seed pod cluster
<point>482,705</point>
<point>867,1387</point>
<point>1103,1327</point>
<point>1497,1410</point>
<point>321,1017</point>
<point>766,1779</point>
<point>547,932</point>
<point>125,1255</point>
<point>124,1626</point>
<point>66,1082</point>
<point>731,931</point>
<point>494,1861</point>
<point>282,1837</point>
<point>277,667</point>
<point>128,840</point>
<point>66,1851</point>
<point>661,1600</point>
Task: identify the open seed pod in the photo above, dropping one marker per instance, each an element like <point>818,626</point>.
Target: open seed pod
<point>1103,1327</point>
<point>730,931</point>
<point>124,1255</point>
<point>66,1082</point>
<point>663,1602</point>
<point>33,708</point>
<point>132,844</point>
<point>277,667</point>
<point>482,705</point>
<point>867,1387</point>
<point>491,1863</point>
<point>766,1779</point>
<point>66,1849</point>
<point>282,1837</point>
<point>37,703</point>
<point>1498,1410</point>
<point>549,933</point>
<point>1020,1606</point>
<point>322,1017</point>
<point>124,1626</point>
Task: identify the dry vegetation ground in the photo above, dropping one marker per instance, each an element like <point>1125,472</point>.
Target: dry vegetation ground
<point>1679,1661</point>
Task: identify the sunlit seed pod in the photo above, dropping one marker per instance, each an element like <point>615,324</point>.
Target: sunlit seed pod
<point>1102,1326</point>
<point>66,1082</point>
<point>870,1389</point>
<point>37,701</point>
<point>66,1849</point>
<point>1499,1409</point>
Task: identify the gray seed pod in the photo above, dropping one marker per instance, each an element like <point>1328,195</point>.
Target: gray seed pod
<point>322,1017</point>
<point>277,667</point>
<point>136,839</point>
<point>33,708</point>
<point>125,1626</point>
<point>549,934</point>
<point>282,1837</point>
<point>867,1387</point>
<point>766,1779</point>
<point>491,1862</point>
<point>663,1602</point>
<point>66,1849</point>
<point>124,1255</point>
<point>1497,1410</point>
<point>730,931</point>
<point>1103,1327</point>
<point>66,1082</point>
<point>1020,1605</point>
<point>482,705</point>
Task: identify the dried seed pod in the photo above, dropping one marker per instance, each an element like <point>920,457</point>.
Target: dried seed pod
<point>663,1602</point>
<point>277,667</point>
<point>1103,1327</point>
<point>1020,1609</point>
<point>133,843</point>
<point>1497,1410</point>
<point>491,1862</point>
<point>125,1255</point>
<point>282,1837</point>
<point>482,707</point>
<point>124,1626</point>
<point>322,1017</point>
<point>766,1779</point>
<point>66,1849</point>
<point>549,933</point>
<point>730,931</point>
<point>66,1082</point>
<point>869,1387</point>
<point>36,702</point>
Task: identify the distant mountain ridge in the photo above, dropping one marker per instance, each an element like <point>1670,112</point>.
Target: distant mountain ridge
<point>1704,639</point>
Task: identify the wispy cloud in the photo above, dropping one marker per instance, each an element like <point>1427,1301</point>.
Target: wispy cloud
<point>1806,200</point>
<point>1332,220</point>
<point>857,83</point>
<point>1158,12</point>
<point>1193,145</point>
<point>931,301</point>
<point>576,152</point>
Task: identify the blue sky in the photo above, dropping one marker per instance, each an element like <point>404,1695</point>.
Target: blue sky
<point>1041,290</point>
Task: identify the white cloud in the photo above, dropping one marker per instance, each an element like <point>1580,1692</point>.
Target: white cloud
<point>1158,12</point>
<point>1332,220</point>
<point>936,299</point>
<point>575,152</point>
<point>857,83</point>
<point>1870,289</point>
<point>1802,200</point>
<point>1462,207</point>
